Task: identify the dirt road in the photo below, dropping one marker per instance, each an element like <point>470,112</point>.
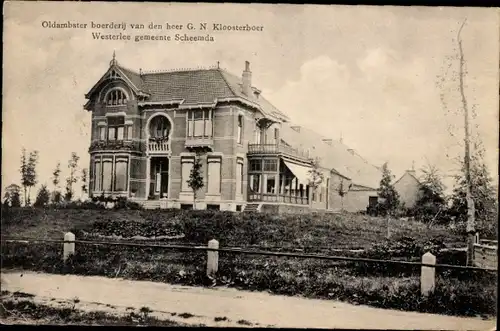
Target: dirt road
<point>238,307</point>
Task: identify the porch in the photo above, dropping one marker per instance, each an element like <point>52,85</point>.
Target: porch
<point>276,180</point>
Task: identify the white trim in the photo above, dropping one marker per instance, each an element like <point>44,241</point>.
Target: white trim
<point>120,113</point>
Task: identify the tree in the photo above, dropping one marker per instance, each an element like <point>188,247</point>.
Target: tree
<point>84,180</point>
<point>28,173</point>
<point>388,197</point>
<point>342,191</point>
<point>195,181</point>
<point>43,197</point>
<point>12,196</point>
<point>316,176</point>
<point>73,178</point>
<point>55,180</point>
<point>458,78</point>
<point>482,191</point>
<point>431,202</point>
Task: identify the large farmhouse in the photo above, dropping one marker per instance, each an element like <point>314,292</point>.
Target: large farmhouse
<point>148,128</point>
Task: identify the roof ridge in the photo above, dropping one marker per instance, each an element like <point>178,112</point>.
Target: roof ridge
<point>163,71</point>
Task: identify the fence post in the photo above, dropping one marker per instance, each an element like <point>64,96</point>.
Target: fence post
<point>476,238</point>
<point>212,258</point>
<point>69,248</point>
<point>428,275</point>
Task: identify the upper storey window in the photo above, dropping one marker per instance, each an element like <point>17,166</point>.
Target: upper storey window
<point>199,123</point>
<point>159,127</point>
<point>115,97</point>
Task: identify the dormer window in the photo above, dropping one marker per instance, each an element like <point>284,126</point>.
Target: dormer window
<point>115,97</point>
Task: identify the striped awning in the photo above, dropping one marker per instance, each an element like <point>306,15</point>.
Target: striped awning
<point>301,172</point>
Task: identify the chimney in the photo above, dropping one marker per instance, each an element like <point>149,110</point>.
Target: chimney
<point>296,128</point>
<point>328,141</point>
<point>247,80</point>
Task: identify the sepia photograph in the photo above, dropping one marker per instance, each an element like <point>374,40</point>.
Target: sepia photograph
<point>250,165</point>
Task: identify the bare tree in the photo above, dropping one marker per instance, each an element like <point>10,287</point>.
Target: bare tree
<point>459,77</point>
<point>316,176</point>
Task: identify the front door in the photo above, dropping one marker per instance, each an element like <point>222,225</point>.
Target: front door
<point>159,177</point>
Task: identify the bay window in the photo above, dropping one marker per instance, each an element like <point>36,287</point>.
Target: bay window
<point>110,174</point>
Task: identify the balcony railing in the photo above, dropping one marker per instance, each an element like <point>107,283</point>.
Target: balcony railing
<point>277,149</point>
<point>158,146</point>
<point>270,197</point>
<point>116,145</point>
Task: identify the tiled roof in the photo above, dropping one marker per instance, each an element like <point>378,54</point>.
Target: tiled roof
<point>335,156</point>
<point>207,85</point>
<point>196,86</point>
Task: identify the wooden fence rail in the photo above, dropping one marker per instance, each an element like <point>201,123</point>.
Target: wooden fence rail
<point>428,264</point>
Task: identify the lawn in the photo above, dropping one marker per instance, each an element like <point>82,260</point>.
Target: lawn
<point>314,232</point>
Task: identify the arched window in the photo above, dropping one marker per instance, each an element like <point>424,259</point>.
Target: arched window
<point>159,127</point>
<point>115,97</point>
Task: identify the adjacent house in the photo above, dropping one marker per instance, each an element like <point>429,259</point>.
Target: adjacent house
<point>409,188</point>
<point>148,128</point>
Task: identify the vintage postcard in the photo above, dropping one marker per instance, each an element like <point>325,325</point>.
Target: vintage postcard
<point>250,165</point>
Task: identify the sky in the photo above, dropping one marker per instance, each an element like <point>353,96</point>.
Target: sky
<point>367,75</point>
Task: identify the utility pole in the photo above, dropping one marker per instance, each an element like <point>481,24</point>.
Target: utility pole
<point>470,202</point>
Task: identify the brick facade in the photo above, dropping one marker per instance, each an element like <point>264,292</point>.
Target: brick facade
<point>147,130</point>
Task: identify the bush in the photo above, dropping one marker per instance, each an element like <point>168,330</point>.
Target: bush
<point>43,197</point>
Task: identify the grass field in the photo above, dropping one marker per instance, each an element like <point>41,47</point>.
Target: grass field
<point>231,229</point>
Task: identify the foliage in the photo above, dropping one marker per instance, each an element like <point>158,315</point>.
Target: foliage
<point>43,197</point>
<point>483,192</point>
<point>343,189</point>
<point>388,197</point>
<point>84,180</point>
<point>73,178</point>
<point>431,204</point>
<point>195,181</point>
<point>316,176</point>
<point>12,196</point>
<point>28,173</point>
<point>57,196</point>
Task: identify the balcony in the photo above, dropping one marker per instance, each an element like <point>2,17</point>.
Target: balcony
<point>278,149</point>
<point>116,145</point>
<point>158,146</point>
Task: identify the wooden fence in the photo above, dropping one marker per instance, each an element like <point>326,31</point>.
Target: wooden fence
<point>427,276</point>
<point>486,253</point>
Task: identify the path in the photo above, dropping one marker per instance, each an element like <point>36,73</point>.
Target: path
<point>261,309</point>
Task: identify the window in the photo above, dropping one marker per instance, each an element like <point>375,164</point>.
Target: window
<point>187,165</point>
<point>102,133</point>
<point>121,174</point>
<point>107,175</point>
<point>97,176</point>
<point>116,127</point>
<point>115,97</point>
<point>213,176</point>
<point>270,165</point>
<point>276,134</point>
<point>270,182</point>
<point>240,129</point>
<point>255,165</point>
<point>199,123</point>
<point>255,183</point>
<point>159,127</point>
<point>129,132</point>
<point>239,178</point>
